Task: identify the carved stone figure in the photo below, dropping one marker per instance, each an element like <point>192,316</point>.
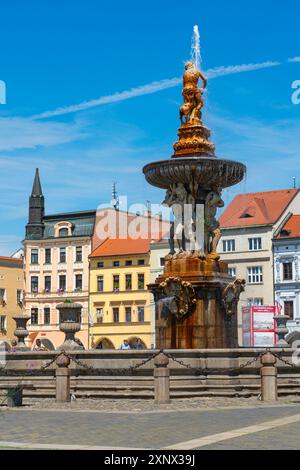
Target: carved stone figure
<point>231,296</point>
<point>177,198</point>
<point>212,203</point>
<point>192,95</point>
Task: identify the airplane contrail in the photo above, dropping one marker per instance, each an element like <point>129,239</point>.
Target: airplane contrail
<point>150,88</point>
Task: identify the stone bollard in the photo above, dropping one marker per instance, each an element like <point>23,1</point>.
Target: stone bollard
<point>62,374</point>
<point>268,375</point>
<point>161,379</point>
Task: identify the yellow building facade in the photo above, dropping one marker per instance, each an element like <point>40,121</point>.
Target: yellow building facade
<point>11,296</point>
<point>119,299</point>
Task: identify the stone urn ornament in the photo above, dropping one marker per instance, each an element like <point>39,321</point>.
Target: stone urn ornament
<point>21,332</point>
<point>70,324</point>
<point>281,331</point>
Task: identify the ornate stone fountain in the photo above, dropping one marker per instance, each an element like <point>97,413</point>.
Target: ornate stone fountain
<point>196,299</point>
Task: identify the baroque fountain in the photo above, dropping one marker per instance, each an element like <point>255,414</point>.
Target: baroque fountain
<point>196,299</point>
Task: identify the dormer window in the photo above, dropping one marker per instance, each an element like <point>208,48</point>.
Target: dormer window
<point>63,229</point>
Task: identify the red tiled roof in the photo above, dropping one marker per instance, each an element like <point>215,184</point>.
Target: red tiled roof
<point>111,247</point>
<point>9,258</point>
<point>291,228</point>
<point>257,208</point>
<point>120,222</point>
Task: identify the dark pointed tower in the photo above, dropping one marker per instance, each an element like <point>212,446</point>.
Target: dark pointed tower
<point>35,226</point>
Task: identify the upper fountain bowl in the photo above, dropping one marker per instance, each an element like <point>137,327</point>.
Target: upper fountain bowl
<point>207,172</point>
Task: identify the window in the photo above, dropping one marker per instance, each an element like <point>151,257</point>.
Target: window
<point>255,275</point>
<point>162,261</point>
<point>116,314</point>
<point>78,281</point>
<point>141,262</point>
<point>100,283</point>
<point>141,281</point>
<point>2,322</point>
<point>116,282</point>
<point>19,296</point>
<point>228,246</point>
<point>47,283</point>
<point>99,313</point>
<point>141,314</point>
<point>34,256</point>
<point>116,264</point>
<point>63,232</point>
<point>232,272</point>
<point>2,296</point>
<point>128,262</point>
<point>100,264</point>
<point>48,256</point>
<point>128,282</point>
<point>47,316</point>
<point>78,258</point>
<point>254,244</point>
<point>289,309</point>
<point>287,271</point>
<point>62,283</point>
<point>62,255</point>
<point>34,284</point>
<point>128,314</point>
<point>255,302</point>
<point>34,316</point>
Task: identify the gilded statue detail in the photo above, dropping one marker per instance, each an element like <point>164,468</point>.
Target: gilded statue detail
<point>190,112</point>
<point>193,135</point>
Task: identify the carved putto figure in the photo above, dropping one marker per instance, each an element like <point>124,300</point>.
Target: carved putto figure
<point>192,95</point>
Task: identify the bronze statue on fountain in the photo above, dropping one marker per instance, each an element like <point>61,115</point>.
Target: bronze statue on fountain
<point>196,299</point>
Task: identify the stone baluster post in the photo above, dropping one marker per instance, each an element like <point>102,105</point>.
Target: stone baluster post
<point>268,375</point>
<point>161,379</point>
<point>62,374</point>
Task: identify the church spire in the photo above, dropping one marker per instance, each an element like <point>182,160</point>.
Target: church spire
<point>37,188</point>
<point>35,226</point>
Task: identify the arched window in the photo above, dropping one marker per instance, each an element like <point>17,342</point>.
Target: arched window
<point>63,232</point>
<point>105,343</point>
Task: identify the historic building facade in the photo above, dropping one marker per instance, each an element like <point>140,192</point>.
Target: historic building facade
<point>248,226</point>
<point>286,245</point>
<point>11,295</point>
<point>119,299</point>
<point>56,267</point>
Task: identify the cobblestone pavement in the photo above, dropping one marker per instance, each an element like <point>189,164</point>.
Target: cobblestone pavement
<point>151,429</point>
<point>148,405</point>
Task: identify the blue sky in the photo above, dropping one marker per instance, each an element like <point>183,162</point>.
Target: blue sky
<point>59,53</point>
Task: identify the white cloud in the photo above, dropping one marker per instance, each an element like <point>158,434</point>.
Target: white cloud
<point>22,133</point>
<point>294,59</point>
<point>151,88</point>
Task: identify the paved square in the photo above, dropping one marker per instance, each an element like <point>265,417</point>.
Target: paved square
<point>153,430</point>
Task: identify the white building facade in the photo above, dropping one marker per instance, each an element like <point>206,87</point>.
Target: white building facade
<point>286,248</point>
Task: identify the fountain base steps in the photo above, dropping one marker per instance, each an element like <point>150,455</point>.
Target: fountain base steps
<point>180,387</point>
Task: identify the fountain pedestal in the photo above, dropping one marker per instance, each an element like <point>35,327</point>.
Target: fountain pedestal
<point>196,305</point>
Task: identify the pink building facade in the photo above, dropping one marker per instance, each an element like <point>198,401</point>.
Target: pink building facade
<point>56,268</point>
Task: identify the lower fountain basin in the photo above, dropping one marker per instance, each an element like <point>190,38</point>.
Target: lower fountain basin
<point>208,172</point>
